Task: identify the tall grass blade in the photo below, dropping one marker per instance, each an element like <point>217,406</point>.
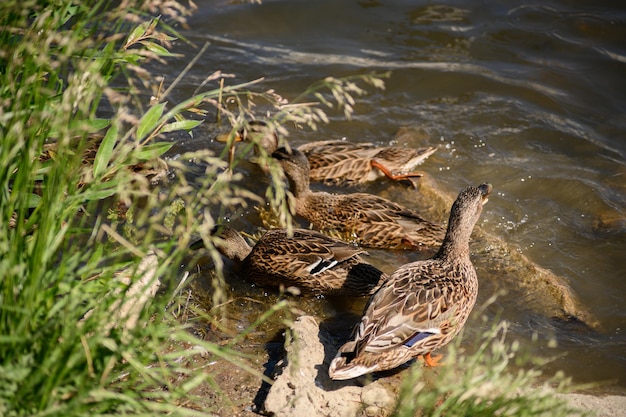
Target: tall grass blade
<point>150,121</point>
<point>103,155</point>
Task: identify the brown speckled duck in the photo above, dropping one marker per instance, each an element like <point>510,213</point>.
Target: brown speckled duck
<point>306,259</point>
<point>344,163</point>
<point>422,305</point>
<point>368,219</point>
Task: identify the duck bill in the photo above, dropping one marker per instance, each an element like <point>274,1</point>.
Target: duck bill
<point>225,137</point>
<point>486,191</point>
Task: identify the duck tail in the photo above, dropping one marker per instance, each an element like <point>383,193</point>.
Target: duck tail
<point>341,368</point>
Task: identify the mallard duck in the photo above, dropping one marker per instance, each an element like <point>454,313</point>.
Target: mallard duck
<point>340,162</point>
<point>343,163</point>
<point>373,221</point>
<point>306,259</point>
<point>422,305</point>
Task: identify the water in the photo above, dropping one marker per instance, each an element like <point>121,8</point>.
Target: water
<point>528,96</point>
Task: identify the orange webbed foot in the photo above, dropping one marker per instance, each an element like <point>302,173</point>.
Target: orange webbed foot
<point>397,177</point>
<point>432,361</point>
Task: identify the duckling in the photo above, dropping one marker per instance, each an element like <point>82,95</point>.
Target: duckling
<point>343,163</point>
<point>371,220</point>
<point>422,306</point>
<point>313,262</point>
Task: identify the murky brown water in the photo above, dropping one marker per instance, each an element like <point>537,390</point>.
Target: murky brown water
<point>531,98</point>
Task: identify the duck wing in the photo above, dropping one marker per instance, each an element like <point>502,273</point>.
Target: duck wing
<point>380,223</point>
<point>339,162</point>
<point>302,254</point>
<point>415,304</point>
<point>328,147</point>
<point>378,209</point>
<point>397,158</point>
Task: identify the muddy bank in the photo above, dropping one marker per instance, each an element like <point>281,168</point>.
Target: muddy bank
<point>302,386</point>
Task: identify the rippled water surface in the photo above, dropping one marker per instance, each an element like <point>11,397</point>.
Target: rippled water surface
<point>528,96</point>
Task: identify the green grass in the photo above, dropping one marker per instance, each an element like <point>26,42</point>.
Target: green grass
<point>492,378</point>
<point>77,215</point>
<point>64,350</point>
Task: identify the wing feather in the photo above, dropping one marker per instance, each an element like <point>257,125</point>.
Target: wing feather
<point>304,253</point>
<point>414,301</point>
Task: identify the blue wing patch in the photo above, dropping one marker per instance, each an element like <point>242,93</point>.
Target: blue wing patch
<point>418,337</point>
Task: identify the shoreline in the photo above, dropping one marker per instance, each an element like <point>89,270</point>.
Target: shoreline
<point>302,385</point>
<point>599,405</point>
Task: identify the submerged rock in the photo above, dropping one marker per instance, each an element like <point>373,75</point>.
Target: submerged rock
<point>539,289</point>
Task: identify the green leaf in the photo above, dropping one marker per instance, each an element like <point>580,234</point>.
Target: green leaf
<point>69,12</point>
<point>135,34</point>
<point>103,156</point>
<point>97,124</point>
<point>151,151</point>
<point>89,126</point>
<point>96,255</point>
<point>180,125</point>
<point>33,200</point>
<point>157,49</point>
<point>165,37</point>
<point>101,190</point>
<point>153,23</point>
<point>187,104</point>
<point>150,121</point>
<point>96,195</point>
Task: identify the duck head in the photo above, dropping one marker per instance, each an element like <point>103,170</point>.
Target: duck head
<point>256,132</point>
<point>296,167</point>
<point>464,214</point>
